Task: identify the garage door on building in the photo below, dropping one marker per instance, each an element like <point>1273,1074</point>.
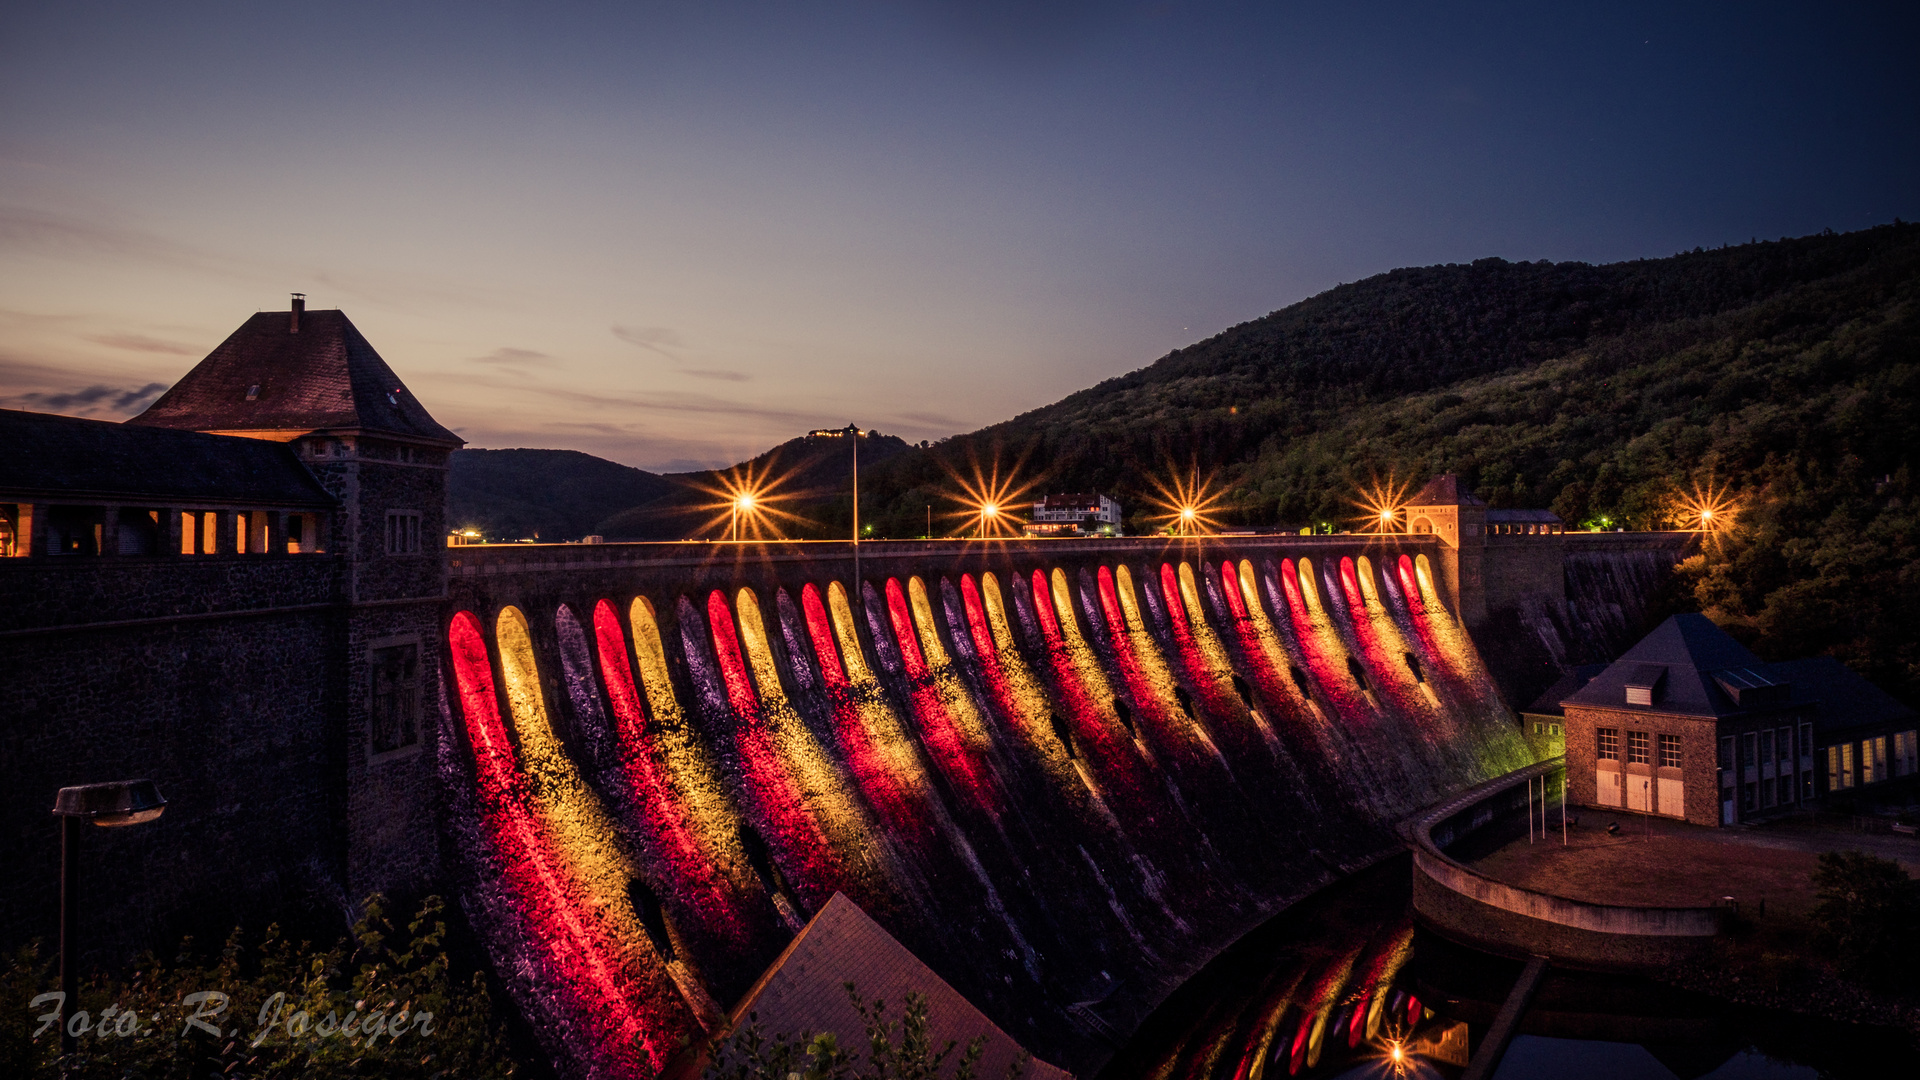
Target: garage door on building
<point>1673,797</point>
<point>1639,793</point>
<point>1606,785</point>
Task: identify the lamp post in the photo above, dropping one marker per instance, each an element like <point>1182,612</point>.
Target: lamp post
<point>987,510</point>
<point>124,802</point>
<point>1186,520</point>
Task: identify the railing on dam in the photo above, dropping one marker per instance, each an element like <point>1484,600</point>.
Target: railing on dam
<point>1063,773</point>
<point>1464,903</point>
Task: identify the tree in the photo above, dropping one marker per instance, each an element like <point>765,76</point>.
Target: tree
<point>747,1054</point>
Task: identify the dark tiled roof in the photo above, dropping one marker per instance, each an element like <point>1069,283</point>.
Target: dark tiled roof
<point>1445,490</point>
<point>1690,648</point>
<point>325,377</point>
<point>805,989</point>
<point>1846,698</point>
<point>45,456</point>
<point>1548,704</point>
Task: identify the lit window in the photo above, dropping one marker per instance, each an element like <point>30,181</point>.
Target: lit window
<point>1553,729</point>
<point>1637,747</point>
<point>1669,751</point>
<point>1606,743</point>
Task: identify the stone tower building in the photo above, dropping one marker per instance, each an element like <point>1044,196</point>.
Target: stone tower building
<point>1447,510</point>
<point>311,380</point>
<point>240,595</point>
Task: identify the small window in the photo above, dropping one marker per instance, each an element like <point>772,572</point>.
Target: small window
<point>1554,730</point>
<point>394,713</point>
<point>403,532</point>
<point>253,392</point>
<point>1637,747</point>
<point>1606,742</point>
<point>1669,751</point>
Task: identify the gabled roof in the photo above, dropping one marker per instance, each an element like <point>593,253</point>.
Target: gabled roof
<point>1445,490</point>
<point>65,457</point>
<point>271,381</point>
<point>1548,703</point>
<point>1846,698</point>
<point>1690,649</point>
<point>805,989</point>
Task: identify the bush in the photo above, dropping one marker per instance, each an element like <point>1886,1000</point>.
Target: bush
<point>748,1055</point>
<point>1867,914</point>
<point>378,1003</point>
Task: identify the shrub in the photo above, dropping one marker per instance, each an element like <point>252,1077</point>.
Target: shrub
<point>378,1003</point>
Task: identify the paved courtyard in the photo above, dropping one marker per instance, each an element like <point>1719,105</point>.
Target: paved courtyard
<point>1670,863</point>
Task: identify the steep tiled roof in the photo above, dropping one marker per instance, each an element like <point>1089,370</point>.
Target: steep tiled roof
<point>65,457</point>
<point>1445,490</point>
<point>1691,649</point>
<point>269,379</point>
<point>805,990</point>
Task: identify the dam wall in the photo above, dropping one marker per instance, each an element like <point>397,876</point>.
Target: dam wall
<point>1063,773</point>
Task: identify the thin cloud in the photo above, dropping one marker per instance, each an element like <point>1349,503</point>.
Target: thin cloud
<point>511,356</point>
<point>716,374</point>
<point>659,339</point>
<point>94,401</point>
<point>142,343</point>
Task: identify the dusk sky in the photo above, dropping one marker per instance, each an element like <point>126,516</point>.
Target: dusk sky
<point>677,234</point>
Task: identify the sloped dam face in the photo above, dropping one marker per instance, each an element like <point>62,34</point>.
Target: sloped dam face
<point>1064,775</point>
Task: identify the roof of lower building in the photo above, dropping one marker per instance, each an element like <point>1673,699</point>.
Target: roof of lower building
<point>1677,664</point>
<point>1522,517</point>
<point>805,989</point>
<point>66,458</point>
<point>1690,667</point>
<point>1847,699</point>
<point>271,380</point>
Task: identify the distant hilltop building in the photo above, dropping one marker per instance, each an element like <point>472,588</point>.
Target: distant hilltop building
<point>1075,515</point>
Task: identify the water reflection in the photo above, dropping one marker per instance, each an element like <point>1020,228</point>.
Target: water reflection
<point>1344,985</point>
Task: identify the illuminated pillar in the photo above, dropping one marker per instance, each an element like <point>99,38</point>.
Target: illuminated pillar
<point>24,534</point>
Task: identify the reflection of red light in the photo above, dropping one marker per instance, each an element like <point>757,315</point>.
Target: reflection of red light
<point>654,796</point>
<point>937,725</point>
<point>593,971</point>
<point>891,786</point>
<point>769,779</point>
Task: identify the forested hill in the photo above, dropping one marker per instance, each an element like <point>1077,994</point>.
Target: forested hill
<point>1410,330</point>
<point>548,494</point>
<point>1783,375</point>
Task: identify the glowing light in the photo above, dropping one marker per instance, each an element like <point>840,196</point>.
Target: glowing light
<point>985,496</point>
<point>1382,501</point>
<point>1188,504</point>
<point>747,501</point>
<point>1707,509</point>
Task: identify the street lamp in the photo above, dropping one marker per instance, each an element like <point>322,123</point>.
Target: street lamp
<point>1187,514</point>
<point>124,802</point>
<point>987,510</point>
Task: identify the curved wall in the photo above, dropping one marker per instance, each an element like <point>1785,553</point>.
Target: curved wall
<point>1063,774</point>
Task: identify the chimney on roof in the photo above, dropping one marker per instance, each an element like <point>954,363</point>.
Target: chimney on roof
<point>299,305</point>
